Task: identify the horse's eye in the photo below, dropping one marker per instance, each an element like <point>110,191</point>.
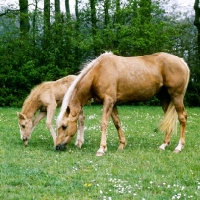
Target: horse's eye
<point>64,127</point>
<point>23,126</point>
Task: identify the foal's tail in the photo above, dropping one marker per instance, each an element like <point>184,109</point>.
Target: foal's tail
<point>168,123</point>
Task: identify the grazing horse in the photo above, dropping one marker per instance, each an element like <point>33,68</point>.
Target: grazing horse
<point>114,79</point>
<point>46,97</point>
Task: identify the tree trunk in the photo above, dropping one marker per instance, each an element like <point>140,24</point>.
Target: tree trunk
<point>46,22</point>
<point>24,19</point>
<point>197,24</point>
<point>76,10</point>
<point>106,14</point>
<point>117,22</point>
<point>57,10</point>
<point>117,11</point>
<point>67,7</point>
<point>94,24</point>
<point>34,21</point>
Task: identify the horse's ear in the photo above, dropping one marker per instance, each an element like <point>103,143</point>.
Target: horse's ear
<point>21,116</point>
<point>67,110</point>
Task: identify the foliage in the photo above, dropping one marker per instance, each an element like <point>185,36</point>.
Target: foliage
<point>138,172</point>
<point>134,28</point>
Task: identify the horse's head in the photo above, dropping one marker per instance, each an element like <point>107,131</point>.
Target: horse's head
<point>66,129</point>
<point>26,127</point>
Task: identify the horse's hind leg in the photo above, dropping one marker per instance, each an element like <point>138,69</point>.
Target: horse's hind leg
<point>80,134</point>
<point>182,117</point>
<point>165,100</point>
<point>118,126</point>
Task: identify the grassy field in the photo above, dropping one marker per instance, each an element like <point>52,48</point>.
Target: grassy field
<point>140,172</point>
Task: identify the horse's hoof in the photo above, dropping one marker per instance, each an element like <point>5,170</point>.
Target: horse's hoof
<point>177,151</point>
<point>160,148</point>
<point>99,154</point>
<point>121,146</point>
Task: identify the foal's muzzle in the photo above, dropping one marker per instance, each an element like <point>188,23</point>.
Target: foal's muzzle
<point>61,147</point>
<point>25,140</point>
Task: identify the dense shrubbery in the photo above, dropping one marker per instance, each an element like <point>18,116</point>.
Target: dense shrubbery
<point>26,61</point>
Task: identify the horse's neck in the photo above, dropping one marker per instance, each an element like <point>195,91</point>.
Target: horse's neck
<point>82,95</point>
<point>30,108</point>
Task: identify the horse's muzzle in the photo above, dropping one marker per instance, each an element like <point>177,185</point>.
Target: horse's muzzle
<point>61,147</point>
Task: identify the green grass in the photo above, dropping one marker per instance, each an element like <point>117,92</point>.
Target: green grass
<point>139,172</point>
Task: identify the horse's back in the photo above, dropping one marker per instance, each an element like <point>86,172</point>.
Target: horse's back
<point>136,78</point>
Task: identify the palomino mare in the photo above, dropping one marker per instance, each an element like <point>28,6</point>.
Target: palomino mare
<point>46,97</point>
<point>114,79</point>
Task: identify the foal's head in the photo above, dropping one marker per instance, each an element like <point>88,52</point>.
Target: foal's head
<point>26,127</point>
<point>66,129</point>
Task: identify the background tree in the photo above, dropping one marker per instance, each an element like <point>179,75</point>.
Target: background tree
<point>197,23</point>
<point>24,18</point>
<point>46,22</point>
<point>67,8</point>
<point>94,24</point>
<point>57,10</point>
<point>53,48</point>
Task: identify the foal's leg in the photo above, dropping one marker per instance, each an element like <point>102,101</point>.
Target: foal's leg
<point>107,110</point>
<point>39,117</point>
<point>117,123</point>
<point>80,134</point>
<point>51,109</point>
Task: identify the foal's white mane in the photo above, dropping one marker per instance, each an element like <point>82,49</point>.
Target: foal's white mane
<point>68,94</point>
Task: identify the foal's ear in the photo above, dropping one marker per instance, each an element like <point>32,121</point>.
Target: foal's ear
<point>67,110</point>
<point>21,116</point>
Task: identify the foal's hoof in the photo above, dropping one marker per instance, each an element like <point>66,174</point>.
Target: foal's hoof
<point>78,144</point>
<point>26,143</point>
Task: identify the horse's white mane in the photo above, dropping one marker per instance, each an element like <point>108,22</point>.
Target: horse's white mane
<point>68,94</point>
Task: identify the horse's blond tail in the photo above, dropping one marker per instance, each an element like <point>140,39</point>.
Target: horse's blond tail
<point>168,124</point>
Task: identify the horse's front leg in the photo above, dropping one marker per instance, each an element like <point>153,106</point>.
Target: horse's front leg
<point>80,134</point>
<point>51,109</point>
<point>117,123</point>
<point>107,109</point>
